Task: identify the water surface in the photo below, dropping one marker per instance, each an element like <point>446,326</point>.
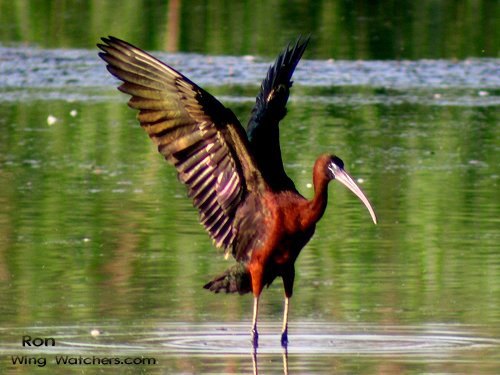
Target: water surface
<point>97,233</point>
<point>208,347</point>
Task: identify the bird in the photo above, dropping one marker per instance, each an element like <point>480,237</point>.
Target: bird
<point>247,203</point>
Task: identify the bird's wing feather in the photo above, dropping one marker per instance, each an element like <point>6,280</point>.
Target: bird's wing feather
<point>193,131</point>
<point>269,110</point>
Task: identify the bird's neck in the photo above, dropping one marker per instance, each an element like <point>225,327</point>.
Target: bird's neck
<point>317,205</point>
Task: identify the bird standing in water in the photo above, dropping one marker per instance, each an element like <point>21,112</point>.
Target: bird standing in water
<point>246,202</point>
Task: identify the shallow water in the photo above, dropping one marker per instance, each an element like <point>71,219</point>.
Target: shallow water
<point>205,348</point>
<point>97,233</point>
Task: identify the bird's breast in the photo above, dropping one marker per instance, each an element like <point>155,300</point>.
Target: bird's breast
<point>290,234</point>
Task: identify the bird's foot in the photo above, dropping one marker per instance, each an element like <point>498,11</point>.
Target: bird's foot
<point>255,338</point>
<point>284,339</point>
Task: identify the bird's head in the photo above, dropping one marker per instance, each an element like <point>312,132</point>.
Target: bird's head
<point>335,171</point>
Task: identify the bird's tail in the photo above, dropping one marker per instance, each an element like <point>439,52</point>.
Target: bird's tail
<point>234,279</point>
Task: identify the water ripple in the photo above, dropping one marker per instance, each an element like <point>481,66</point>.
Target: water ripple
<point>233,339</point>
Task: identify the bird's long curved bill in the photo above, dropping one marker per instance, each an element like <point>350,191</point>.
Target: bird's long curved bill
<point>344,178</point>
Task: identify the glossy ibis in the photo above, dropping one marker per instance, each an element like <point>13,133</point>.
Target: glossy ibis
<point>246,202</point>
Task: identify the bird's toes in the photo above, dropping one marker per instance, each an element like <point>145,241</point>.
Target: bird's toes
<point>284,339</point>
<point>255,338</point>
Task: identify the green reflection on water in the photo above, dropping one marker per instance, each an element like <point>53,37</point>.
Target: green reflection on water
<point>94,224</point>
<point>341,29</point>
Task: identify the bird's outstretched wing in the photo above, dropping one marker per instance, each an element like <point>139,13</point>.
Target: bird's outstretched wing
<point>269,109</point>
<point>193,131</point>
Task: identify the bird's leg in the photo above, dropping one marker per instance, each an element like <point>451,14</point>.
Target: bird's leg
<point>256,273</point>
<point>255,334</point>
<point>288,279</point>
<point>284,331</point>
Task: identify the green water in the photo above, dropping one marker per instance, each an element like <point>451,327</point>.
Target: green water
<point>97,233</point>
<point>96,230</point>
<point>343,29</point>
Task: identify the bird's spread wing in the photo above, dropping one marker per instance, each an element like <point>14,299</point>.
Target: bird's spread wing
<point>193,131</point>
<point>269,109</point>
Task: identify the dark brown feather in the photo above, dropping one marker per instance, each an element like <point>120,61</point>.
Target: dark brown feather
<point>193,131</point>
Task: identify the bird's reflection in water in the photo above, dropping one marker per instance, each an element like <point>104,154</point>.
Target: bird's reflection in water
<point>255,361</point>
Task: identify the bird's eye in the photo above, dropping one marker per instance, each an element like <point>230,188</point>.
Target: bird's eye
<point>337,161</point>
